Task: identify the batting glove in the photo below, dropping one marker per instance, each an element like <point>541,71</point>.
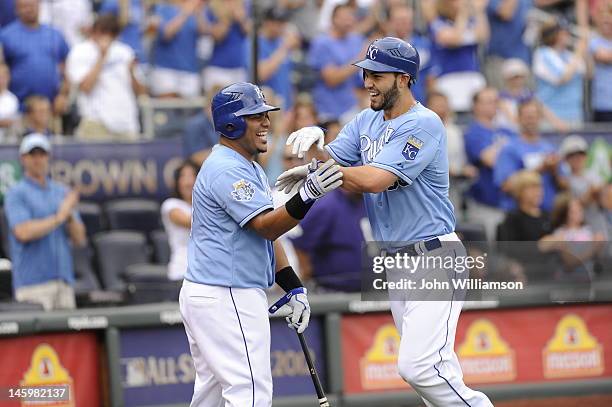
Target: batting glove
<point>304,138</point>
<point>295,177</point>
<point>324,179</point>
<point>298,309</point>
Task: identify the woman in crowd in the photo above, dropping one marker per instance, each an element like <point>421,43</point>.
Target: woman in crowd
<point>176,217</point>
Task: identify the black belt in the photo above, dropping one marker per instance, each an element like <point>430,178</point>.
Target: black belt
<point>420,248</point>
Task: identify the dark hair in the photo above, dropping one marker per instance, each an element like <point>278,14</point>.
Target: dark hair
<point>107,24</point>
<point>527,102</point>
<point>177,174</point>
<point>337,8</point>
<point>31,100</point>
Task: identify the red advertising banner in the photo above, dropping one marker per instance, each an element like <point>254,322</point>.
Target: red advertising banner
<point>69,360</point>
<point>493,346</point>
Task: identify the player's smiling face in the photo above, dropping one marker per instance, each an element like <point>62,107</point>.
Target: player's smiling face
<point>382,88</point>
<point>255,139</point>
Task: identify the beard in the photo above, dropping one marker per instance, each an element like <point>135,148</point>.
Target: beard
<point>388,99</point>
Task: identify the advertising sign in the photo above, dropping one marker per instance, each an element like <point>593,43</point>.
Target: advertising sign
<point>51,361</point>
<point>493,346</point>
<point>157,368</point>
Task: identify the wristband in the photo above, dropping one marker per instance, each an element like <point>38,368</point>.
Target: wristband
<point>297,208</point>
<point>287,279</point>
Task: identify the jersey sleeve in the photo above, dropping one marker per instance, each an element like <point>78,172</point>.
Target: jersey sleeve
<point>239,193</point>
<point>407,154</point>
<point>345,148</point>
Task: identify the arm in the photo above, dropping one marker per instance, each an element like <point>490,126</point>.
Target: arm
<point>453,36</point>
<point>335,75</point>
<point>175,25</point>
<point>268,67</point>
<point>273,223</point>
<point>76,231</point>
<point>137,86</point>
<point>366,178</point>
<point>180,218</point>
<point>506,9</point>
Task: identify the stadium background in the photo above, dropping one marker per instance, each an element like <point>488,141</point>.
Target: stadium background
<point>125,345</point>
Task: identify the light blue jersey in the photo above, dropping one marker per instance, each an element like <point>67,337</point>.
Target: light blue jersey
<point>229,191</point>
<point>413,147</point>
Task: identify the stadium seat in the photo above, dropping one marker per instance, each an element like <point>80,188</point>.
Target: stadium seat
<point>115,250</point>
<point>133,214</point>
<point>85,277</point>
<point>91,214</point>
<point>161,248</point>
<point>148,283</point>
<point>4,234</point>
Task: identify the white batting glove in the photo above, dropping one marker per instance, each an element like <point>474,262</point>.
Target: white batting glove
<point>295,177</point>
<point>304,138</point>
<point>295,307</point>
<point>325,179</point>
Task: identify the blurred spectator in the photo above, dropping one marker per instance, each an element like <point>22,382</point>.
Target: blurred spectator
<point>582,185</point>
<point>460,170</point>
<point>508,21</point>
<point>37,118</point>
<point>9,105</point>
<point>42,218</point>
<point>73,18</point>
<point>600,48</point>
<point>457,31</point>
<point>330,239</point>
<point>35,54</point>
<point>576,243</point>
<point>331,56</point>
<point>560,72</point>
<point>276,41</point>
<point>572,10</point>
<point>483,143</point>
<point>132,20</point>
<point>529,152</point>
<point>601,218</point>
<point>176,218</point>
<point>516,77</point>
<point>103,69</point>
<point>175,71</point>
<point>401,25</point>
<point>229,26</point>
<point>527,222</point>
<point>305,15</point>
<point>7,12</point>
<point>199,135</point>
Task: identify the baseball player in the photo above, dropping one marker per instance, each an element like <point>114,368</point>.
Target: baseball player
<point>232,258</point>
<point>395,153</point>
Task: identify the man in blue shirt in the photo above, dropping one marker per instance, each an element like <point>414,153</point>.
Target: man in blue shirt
<point>483,141</point>
<point>35,53</point>
<point>507,21</point>
<point>530,152</point>
<point>275,44</point>
<point>329,240</point>
<point>7,12</point>
<point>232,256</point>
<point>330,55</point>
<point>395,153</point>
<point>401,21</point>
<point>42,220</point>
<point>199,137</point>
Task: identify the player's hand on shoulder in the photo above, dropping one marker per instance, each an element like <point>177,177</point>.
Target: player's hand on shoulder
<point>302,139</point>
<point>323,180</point>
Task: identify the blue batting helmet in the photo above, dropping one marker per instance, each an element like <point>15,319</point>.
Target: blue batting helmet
<point>391,54</point>
<point>232,103</point>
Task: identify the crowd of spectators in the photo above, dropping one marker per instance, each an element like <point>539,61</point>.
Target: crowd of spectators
<point>497,72</point>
